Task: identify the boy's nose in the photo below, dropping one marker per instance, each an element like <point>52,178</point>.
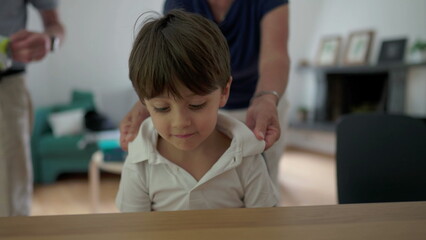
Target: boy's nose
<point>181,119</point>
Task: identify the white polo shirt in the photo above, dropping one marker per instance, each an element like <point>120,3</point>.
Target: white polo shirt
<point>149,182</point>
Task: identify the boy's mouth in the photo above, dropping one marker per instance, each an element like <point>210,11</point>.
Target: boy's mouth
<point>184,135</point>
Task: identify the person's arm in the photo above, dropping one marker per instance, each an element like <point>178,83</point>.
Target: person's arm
<point>52,25</point>
<point>27,46</point>
<point>262,115</point>
<point>130,124</point>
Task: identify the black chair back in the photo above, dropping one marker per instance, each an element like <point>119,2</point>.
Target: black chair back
<point>381,158</point>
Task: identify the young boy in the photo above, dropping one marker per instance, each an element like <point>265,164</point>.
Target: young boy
<point>187,155</point>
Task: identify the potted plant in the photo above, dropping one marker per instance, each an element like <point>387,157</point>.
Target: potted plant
<point>302,114</point>
<point>418,51</point>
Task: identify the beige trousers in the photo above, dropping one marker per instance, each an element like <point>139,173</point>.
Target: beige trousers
<point>274,153</point>
<point>15,158</point>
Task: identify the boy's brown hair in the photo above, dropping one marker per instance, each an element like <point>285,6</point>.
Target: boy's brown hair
<point>179,48</point>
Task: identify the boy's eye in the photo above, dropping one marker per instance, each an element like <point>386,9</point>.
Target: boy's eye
<point>161,109</point>
<point>196,106</point>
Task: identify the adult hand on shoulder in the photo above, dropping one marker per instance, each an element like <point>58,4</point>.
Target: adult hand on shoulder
<point>262,119</point>
<point>130,124</point>
<point>29,46</point>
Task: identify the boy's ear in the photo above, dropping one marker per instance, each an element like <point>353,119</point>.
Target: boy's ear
<point>225,93</point>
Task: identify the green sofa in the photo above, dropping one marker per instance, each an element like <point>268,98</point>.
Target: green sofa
<point>52,155</point>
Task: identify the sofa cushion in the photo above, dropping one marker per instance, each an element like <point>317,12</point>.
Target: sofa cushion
<point>51,146</point>
<point>84,98</point>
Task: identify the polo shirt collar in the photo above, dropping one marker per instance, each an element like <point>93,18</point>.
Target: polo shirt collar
<point>244,143</point>
<point>146,142</point>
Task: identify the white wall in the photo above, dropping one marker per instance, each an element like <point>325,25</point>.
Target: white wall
<point>303,22</point>
<point>388,18</point>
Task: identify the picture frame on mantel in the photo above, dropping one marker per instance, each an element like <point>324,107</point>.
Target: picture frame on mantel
<point>328,52</point>
<point>358,48</point>
<point>392,51</point>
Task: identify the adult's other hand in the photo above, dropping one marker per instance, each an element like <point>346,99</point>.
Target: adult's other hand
<point>130,124</point>
<point>262,119</point>
<point>29,46</point>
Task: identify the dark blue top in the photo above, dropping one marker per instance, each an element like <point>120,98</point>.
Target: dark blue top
<point>241,27</point>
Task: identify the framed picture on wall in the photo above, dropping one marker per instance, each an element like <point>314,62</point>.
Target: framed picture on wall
<point>392,51</point>
<point>358,48</point>
<point>328,51</point>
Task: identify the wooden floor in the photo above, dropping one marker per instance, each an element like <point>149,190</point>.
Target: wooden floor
<point>70,195</point>
<point>306,178</point>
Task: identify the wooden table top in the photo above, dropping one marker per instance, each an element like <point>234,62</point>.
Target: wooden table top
<point>351,221</point>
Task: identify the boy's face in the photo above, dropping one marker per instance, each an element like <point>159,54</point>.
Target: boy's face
<point>186,123</point>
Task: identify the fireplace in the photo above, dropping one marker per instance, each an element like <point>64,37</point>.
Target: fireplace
<point>342,91</point>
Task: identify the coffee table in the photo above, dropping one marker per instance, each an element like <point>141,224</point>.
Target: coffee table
<point>104,160</point>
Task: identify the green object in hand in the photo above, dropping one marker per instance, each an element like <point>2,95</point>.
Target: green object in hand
<point>5,61</point>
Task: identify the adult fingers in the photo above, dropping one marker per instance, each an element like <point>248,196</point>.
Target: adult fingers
<point>272,135</point>
<point>22,55</point>
<point>130,124</point>
<point>133,127</point>
<point>261,124</point>
<point>124,130</point>
<point>35,47</point>
<point>124,144</point>
<point>18,36</point>
<point>32,41</point>
<point>28,55</point>
<point>250,122</point>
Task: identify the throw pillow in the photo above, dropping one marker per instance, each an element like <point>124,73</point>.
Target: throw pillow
<point>67,122</point>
